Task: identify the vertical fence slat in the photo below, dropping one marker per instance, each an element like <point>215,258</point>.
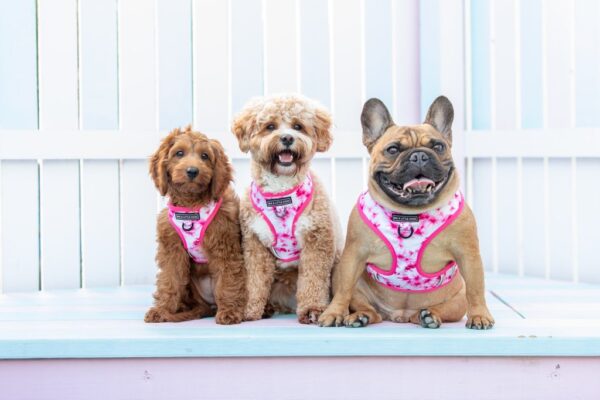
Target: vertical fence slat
<point>531,64</point>
<point>558,50</point>
<point>98,64</point>
<point>480,64</point>
<point>246,52</point>
<point>138,229</point>
<point>138,110</point>
<point>99,86</point>
<point>174,47</point>
<point>534,224</point>
<point>100,223</point>
<point>347,68</point>
<point>505,68</point>
<point>560,216</point>
<point>348,90</point>
<point>322,167</point>
<point>19,219</point>
<point>281,46</point>
<point>451,73</point>
<point>588,196</point>
<point>59,109</point>
<point>378,51</point>
<point>347,170</point>
<point>242,177</point>
<point>19,232</point>
<point>18,69</point>
<point>587,63</point>
<point>430,36</point>
<point>211,65</point>
<point>59,212</point>
<point>482,207</point>
<point>58,74</point>
<point>407,66</point>
<point>507,215</point>
<point>137,64</point>
<point>315,81</point>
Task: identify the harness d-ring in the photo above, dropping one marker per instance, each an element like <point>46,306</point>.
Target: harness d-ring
<point>186,228</point>
<point>412,230</point>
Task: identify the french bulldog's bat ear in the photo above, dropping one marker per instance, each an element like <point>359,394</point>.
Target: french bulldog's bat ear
<point>375,120</point>
<point>440,116</point>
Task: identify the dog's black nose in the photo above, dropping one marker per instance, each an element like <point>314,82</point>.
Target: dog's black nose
<point>192,172</point>
<point>287,140</point>
<point>419,158</point>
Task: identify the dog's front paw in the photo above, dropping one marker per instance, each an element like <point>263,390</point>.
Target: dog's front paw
<point>310,315</point>
<point>228,317</point>
<point>154,315</point>
<point>333,316</point>
<point>480,319</point>
<point>253,314</point>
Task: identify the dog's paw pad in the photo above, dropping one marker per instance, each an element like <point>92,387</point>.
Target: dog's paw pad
<point>429,320</point>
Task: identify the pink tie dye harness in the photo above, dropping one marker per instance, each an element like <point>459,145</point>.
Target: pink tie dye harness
<point>190,224</point>
<point>281,212</point>
<point>407,236</point>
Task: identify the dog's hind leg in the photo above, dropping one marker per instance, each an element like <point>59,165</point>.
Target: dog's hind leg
<point>362,312</point>
<point>452,310</point>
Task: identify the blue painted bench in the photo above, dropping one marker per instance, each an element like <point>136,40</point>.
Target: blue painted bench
<point>547,334</point>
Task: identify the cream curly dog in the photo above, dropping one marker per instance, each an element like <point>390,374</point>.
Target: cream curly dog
<point>290,233</point>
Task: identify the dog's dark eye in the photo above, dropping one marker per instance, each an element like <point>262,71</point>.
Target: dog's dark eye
<point>179,153</point>
<point>297,127</point>
<point>271,127</point>
<point>393,150</point>
<point>439,147</point>
<point>204,156</point>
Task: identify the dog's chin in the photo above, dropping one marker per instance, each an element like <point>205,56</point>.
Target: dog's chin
<point>190,188</point>
<point>286,163</point>
<point>417,192</point>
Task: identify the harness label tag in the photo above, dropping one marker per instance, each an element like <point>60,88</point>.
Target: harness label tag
<point>182,216</point>
<point>282,201</point>
<point>405,218</point>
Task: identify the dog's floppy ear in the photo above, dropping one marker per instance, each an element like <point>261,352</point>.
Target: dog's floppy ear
<point>222,173</point>
<point>323,129</point>
<point>158,160</point>
<point>244,124</point>
<point>440,116</point>
<point>375,120</point>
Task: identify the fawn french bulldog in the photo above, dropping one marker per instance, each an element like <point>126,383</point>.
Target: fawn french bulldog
<point>412,252</point>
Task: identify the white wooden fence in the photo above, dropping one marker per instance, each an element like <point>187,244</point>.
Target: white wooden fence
<point>87,88</point>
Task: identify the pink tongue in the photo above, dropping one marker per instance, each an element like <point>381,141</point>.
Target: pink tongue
<point>286,157</point>
<point>420,184</point>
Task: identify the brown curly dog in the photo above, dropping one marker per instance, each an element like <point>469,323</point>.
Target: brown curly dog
<point>291,235</point>
<point>201,267</point>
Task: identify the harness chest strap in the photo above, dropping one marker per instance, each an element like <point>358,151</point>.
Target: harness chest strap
<point>407,237</point>
<point>191,224</point>
<point>281,211</point>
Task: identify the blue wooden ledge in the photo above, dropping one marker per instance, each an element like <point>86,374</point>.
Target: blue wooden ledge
<point>107,323</point>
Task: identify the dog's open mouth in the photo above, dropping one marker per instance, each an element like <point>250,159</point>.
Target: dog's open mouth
<point>286,158</point>
<point>420,189</point>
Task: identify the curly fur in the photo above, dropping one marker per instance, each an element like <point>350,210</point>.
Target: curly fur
<point>184,289</point>
<point>274,286</point>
